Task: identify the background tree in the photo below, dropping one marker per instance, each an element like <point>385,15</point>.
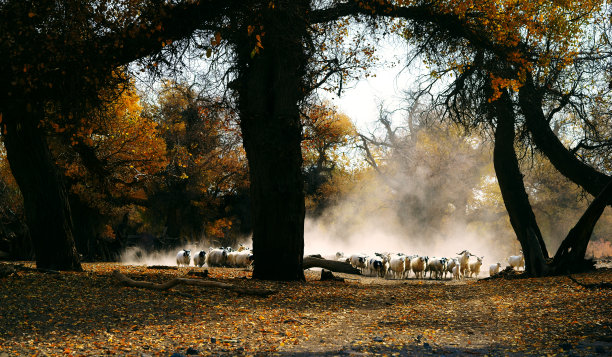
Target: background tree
<point>56,57</point>
<point>200,190</point>
<point>326,147</point>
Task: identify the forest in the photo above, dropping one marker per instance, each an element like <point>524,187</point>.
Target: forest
<point>154,123</point>
<point>141,128</point>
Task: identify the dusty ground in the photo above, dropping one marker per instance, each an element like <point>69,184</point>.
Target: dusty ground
<point>91,314</point>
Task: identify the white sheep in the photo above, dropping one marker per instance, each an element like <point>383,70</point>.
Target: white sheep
<point>475,266</point>
<point>517,261</point>
<point>494,269</point>
<point>450,265</point>
<point>216,257</point>
<point>456,274</point>
<point>231,258</point>
<point>464,258</point>
<point>243,259</point>
<point>199,259</point>
<point>183,257</point>
<point>359,261</point>
<point>397,265</point>
<point>418,265</point>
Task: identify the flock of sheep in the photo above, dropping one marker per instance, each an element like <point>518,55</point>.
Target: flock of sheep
<point>399,266</point>
<point>384,265</point>
<point>217,257</point>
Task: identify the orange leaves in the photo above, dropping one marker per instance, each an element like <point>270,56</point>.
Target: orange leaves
<point>537,316</point>
<point>499,84</point>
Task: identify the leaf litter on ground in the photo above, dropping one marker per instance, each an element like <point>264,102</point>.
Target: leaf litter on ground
<point>90,313</point>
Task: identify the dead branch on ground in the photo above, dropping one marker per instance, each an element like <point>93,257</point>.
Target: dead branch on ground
<point>178,281</point>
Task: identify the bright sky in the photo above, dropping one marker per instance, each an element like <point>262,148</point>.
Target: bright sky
<point>361,101</point>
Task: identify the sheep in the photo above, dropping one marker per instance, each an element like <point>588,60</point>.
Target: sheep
<point>183,257</point>
<point>517,261</point>
<point>243,259</point>
<point>397,265</point>
<point>464,258</point>
<point>378,266</point>
<point>436,267</point>
<point>359,261</point>
<point>456,274</point>
<point>231,258</point>
<point>217,257</point>
<point>475,266</point>
<point>450,265</point>
<point>494,269</point>
<point>199,259</point>
<point>341,258</point>
<point>418,265</point>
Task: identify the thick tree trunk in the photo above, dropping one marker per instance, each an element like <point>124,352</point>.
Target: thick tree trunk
<point>548,143</point>
<point>45,200</point>
<point>513,189</point>
<point>270,89</point>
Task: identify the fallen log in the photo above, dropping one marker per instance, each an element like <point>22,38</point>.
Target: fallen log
<point>162,267</point>
<point>197,282</point>
<point>332,265</point>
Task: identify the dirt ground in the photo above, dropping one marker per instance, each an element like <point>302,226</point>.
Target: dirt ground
<point>92,314</point>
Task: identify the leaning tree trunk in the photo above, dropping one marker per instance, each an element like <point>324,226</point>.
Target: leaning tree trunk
<point>548,143</point>
<point>270,88</point>
<point>571,252</point>
<point>513,191</point>
<point>45,200</point>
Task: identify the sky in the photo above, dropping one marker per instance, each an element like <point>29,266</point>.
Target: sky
<point>360,101</point>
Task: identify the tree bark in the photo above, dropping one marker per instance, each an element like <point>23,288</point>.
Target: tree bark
<point>45,200</point>
<point>530,101</point>
<point>570,255</point>
<point>333,265</point>
<point>270,88</point>
<point>513,191</point>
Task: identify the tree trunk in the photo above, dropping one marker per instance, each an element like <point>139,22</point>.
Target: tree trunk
<point>333,265</point>
<point>570,255</point>
<point>45,200</point>
<point>513,191</point>
<point>548,143</point>
<point>270,88</point>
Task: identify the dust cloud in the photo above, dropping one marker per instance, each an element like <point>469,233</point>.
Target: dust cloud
<point>431,195</point>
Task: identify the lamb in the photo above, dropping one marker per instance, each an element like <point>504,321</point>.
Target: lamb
<point>517,261</point>
<point>456,274</point>
<point>494,269</point>
<point>475,266</point>
<point>183,257</point>
<point>450,265</point>
<point>199,259</point>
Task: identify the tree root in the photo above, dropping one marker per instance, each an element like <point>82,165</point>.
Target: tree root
<point>601,285</point>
